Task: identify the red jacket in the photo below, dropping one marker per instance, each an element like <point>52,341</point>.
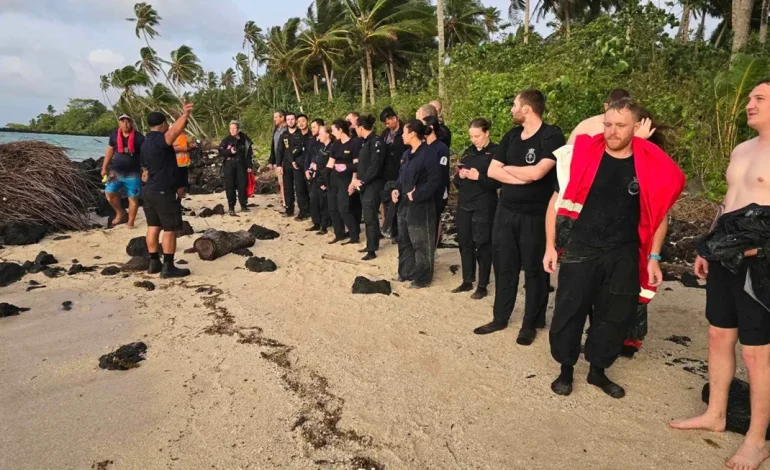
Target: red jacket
<point>661,181</point>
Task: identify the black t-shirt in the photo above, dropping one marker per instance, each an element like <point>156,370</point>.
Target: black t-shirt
<point>513,151</point>
<point>160,159</point>
<point>126,162</point>
<point>344,154</point>
<point>610,216</point>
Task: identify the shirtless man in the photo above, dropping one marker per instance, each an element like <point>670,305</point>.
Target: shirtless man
<point>732,318</point>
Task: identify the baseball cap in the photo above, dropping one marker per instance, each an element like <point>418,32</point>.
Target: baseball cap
<point>124,116</point>
<point>155,119</point>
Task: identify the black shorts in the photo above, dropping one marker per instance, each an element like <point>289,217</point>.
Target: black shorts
<point>163,210</point>
<point>184,175</point>
<point>729,306</point>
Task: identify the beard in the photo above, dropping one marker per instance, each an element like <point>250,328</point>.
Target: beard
<point>615,143</point>
<point>518,119</point>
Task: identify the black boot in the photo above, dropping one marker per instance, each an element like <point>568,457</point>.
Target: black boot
<point>314,228</point>
<point>526,336</point>
<point>464,287</point>
<point>170,271</point>
<point>480,293</point>
<point>596,377</point>
<point>155,266</point>
<point>563,383</point>
<point>490,327</point>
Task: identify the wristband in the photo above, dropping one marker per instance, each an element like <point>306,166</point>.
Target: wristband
<point>654,256</point>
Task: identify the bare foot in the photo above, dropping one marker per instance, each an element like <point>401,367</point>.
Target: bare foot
<point>748,457</point>
<point>131,225</point>
<point>705,422</point>
<point>119,218</point>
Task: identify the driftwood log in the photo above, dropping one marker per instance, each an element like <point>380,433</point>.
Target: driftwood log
<point>214,244</point>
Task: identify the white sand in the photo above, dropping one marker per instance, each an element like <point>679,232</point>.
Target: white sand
<point>414,388</point>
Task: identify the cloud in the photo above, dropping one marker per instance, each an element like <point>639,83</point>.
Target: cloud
<point>105,57</point>
<point>51,51</point>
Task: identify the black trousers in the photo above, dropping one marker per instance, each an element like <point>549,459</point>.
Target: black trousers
<point>288,187</point>
<point>356,207</point>
<point>474,235</point>
<point>416,242</point>
<point>608,285</point>
<point>294,182</point>
<point>519,243</point>
<point>319,205</point>
<point>370,202</point>
<point>236,177</point>
<point>391,215</point>
<point>339,207</point>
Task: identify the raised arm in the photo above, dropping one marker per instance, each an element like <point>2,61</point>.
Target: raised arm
<point>179,125</point>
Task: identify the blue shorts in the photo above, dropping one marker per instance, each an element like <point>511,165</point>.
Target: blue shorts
<point>130,184</point>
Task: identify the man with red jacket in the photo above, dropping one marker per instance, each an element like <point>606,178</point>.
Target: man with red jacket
<point>610,221</point>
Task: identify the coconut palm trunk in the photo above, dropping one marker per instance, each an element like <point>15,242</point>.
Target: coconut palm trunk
<point>526,22</point>
<point>684,29</point>
<point>763,21</point>
<point>741,18</point>
<point>363,87</point>
<point>370,75</point>
<point>328,80</point>
<point>392,73</point>
<point>441,44</point>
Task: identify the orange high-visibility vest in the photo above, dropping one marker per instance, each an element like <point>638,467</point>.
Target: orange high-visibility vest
<point>182,158</point>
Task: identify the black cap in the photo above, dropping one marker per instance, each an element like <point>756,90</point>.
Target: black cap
<point>387,113</point>
<point>155,119</point>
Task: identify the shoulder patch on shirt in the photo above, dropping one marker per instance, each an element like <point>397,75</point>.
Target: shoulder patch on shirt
<point>443,161</point>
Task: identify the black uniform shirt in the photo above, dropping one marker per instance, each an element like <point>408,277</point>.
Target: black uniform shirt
<point>529,198</point>
<point>482,193</point>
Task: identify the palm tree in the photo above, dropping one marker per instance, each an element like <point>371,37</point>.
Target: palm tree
<point>51,111</point>
<point>149,63</point>
<point>147,20</point>
<point>281,45</point>
<point>252,34</point>
<point>741,20</point>
<point>373,22</point>
<point>105,83</point>
<point>184,66</point>
<point>159,97</point>
<point>228,79</point>
<point>492,22</point>
<point>242,64</point>
<point>212,81</point>
<point>322,40</point>
<point>521,5</point>
<point>127,80</point>
<point>763,21</point>
<point>462,22</point>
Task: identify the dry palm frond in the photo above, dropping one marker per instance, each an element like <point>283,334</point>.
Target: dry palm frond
<point>40,184</point>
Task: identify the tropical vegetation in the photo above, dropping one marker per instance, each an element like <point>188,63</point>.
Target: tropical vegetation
<point>362,55</point>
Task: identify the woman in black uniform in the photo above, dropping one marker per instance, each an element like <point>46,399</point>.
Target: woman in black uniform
<point>344,155</point>
<point>476,205</point>
<point>317,174</point>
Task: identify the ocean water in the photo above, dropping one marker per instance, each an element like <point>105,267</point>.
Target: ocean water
<point>78,147</point>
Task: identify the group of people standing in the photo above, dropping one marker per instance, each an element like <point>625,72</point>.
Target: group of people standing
<point>596,204</point>
<point>342,173</point>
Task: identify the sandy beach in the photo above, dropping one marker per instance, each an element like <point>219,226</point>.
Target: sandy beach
<point>290,370</point>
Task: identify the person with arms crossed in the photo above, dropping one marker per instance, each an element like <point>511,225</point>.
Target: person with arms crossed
<point>524,164</point>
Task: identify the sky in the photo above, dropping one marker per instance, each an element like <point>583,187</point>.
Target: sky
<point>54,50</point>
